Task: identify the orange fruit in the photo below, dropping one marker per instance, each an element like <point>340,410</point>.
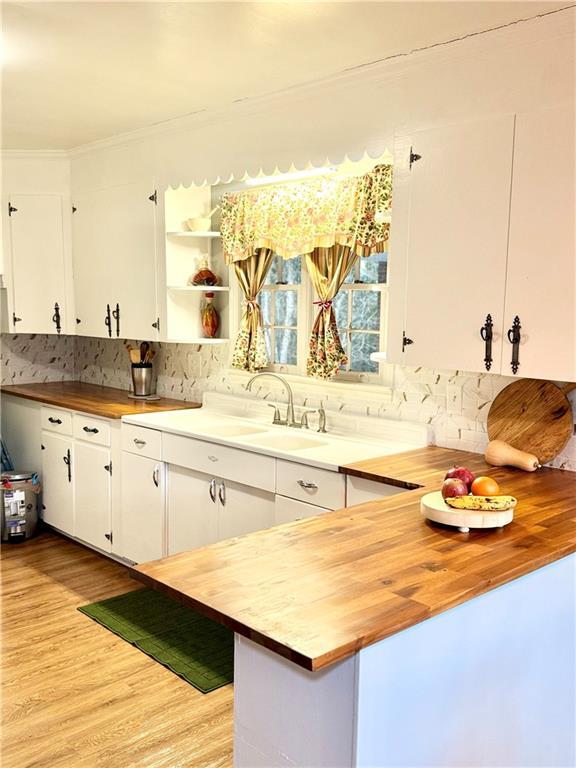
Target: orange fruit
<point>485,486</point>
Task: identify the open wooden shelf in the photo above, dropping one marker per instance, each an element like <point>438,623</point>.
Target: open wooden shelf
<point>199,288</point>
<point>193,234</point>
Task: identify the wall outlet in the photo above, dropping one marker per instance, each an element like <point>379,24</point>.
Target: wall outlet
<point>453,398</point>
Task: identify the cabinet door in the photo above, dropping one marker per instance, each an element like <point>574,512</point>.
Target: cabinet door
<point>114,244</point>
<point>143,519</point>
<point>541,284</point>
<point>192,509</point>
<point>92,495</point>
<point>288,510</point>
<point>456,243</point>
<point>243,509</point>
<point>57,481</point>
<point>37,275</point>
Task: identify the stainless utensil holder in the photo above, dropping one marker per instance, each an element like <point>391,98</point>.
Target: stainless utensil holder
<point>142,379</point>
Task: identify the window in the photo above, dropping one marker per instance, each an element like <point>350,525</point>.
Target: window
<point>280,301</point>
<point>288,313</point>
<point>359,307</point>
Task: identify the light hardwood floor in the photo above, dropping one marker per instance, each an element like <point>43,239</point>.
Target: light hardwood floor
<point>76,696</point>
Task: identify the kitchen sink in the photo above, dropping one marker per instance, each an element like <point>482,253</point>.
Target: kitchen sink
<point>234,430</point>
<point>287,442</point>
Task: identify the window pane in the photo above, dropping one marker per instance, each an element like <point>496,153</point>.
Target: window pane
<point>374,269</point>
<point>366,310</point>
<point>268,340</point>
<point>362,346</point>
<point>292,269</point>
<point>285,343</point>
<point>286,308</point>
<point>272,276</point>
<point>340,306</point>
<point>265,301</point>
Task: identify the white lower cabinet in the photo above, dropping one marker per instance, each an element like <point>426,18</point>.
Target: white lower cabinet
<point>142,520</point>
<point>192,509</point>
<point>242,509</point>
<point>288,510</point>
<point>359,490</point>
<point>93,494</point>
<point>57,481</point>
<point>203,509</point>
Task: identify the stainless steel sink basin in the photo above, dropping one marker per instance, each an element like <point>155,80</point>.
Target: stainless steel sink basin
<point>287,442</point>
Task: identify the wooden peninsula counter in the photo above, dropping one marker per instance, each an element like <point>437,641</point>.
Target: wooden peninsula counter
<point>370,637</point>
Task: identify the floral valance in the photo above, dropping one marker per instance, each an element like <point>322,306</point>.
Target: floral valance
<point>294,219</point>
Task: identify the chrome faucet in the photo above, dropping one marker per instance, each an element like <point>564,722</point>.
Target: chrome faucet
<point>290,421</point>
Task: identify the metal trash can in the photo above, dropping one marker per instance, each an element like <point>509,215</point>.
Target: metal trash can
<point>19,505</point>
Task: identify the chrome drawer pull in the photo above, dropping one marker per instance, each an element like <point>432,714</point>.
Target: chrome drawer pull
<point>212,490</point>
<point>304,484</point>
<point>52,420</point>
<point>93,430</point>
<point>222,494</point>
<point>137,441</point>
<point>213,458</point>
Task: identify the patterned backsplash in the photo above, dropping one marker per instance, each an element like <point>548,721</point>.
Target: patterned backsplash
<point>454,403</point>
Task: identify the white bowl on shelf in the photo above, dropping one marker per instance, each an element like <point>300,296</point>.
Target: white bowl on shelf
<point>199,224</point>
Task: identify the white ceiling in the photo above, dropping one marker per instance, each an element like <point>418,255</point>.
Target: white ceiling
<point>77,72</point>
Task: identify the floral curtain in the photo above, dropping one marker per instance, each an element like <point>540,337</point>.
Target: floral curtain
<point>295,219</point>
<point>327,268</point>
<point>250,349</point>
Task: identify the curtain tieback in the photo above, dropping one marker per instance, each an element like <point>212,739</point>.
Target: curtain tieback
<point>325,304</point>
<point>251,304</point>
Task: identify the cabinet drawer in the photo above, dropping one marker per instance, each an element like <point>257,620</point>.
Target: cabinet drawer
<point>91,430</point>
<point>244,467</point>
<point>289,510</point>
<point>359,490</point>
<point>56,420</point>
<point>142,441</point>
<point>315,486</point>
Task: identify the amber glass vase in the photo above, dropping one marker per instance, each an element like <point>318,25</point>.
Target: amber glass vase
<point>210,319</point>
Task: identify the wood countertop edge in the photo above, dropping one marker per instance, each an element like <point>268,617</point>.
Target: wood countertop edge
<point>344,651</point>
<point>135,408</point>
<point>350,469</point>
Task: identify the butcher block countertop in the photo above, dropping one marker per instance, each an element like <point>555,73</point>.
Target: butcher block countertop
<point>318,590</point>
<point>107,402</point>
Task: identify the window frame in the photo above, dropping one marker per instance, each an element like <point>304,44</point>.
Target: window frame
<point>306,315</point>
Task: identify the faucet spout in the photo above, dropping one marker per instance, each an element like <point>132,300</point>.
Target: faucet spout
<point>290,420</point>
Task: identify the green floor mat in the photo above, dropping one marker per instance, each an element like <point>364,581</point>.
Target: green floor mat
<point>192,646</point>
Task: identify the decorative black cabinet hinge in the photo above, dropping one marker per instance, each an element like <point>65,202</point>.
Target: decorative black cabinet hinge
<point>78,321</point>
<point>108,536</point>
<point>42,447</point>
<point>108,468</point>
<point>74,209</point>
<point>16,319</point>
<point>406,341</point>
<point>156,324</point>
<point>486,333</point>
<point>414,158</point>
<point>514,337</point>
<point>154,198</point>
<point>11,209</point>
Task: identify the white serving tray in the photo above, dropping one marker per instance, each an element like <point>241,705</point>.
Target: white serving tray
<point>433,507</point>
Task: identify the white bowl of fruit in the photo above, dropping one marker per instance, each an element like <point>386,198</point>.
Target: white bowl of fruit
<point>466,501</point>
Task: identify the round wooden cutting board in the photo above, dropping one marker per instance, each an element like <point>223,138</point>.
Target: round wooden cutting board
<point>533,416</point>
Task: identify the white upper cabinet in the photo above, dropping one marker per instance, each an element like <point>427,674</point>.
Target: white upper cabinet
<point>541,285</point>
<point>36,267</point>
<point>114,252</point>
<point>451,213</point>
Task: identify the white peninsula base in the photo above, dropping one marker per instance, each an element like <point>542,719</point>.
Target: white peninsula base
<point>489,683</point>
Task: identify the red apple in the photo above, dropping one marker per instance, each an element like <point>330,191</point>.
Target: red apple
<point>453,486</point>
<point>461,473</point>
